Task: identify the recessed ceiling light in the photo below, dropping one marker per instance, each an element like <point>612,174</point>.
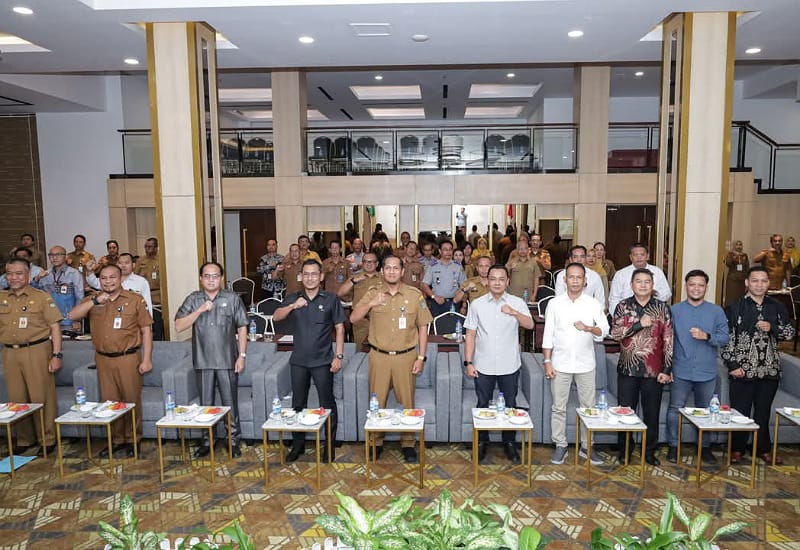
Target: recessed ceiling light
<point>378,77</point>
<point>419,37</point>
<point>510,75</point>
<point>752,51</point>
<point>131,61</point>
<point>638,73</point>
<point>22,10</point>
<point>575,34</point>
<point>306,39</point>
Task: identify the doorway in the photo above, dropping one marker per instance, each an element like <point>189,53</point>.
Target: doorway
<point>255,227</point>
<point>628,224</point>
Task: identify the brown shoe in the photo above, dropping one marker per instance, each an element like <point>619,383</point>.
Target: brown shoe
<point>736,457</point>
<point>767,457</point>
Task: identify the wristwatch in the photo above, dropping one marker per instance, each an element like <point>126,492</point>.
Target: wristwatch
<point>94,301</point>
<point>57,355</point>
<point>467,363</point>
<point>340,356</point>
<point>242,354</point>
<point>422,358</point>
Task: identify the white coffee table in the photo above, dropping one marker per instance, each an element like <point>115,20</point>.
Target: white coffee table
<point>792,415</point>
<point>89,418</point>
<point>9,421</point>
<point>279,425</point>
<point>384,424</point>
<point>704,424</point>
<point>198,419</point>
<point>613,423</point>
<point>503,424</point>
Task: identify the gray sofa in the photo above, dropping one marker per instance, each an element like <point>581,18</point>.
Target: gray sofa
<point>432,394</point>
<point>463,398</point>
<point>172,371</point>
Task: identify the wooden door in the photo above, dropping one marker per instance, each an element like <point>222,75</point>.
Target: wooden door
<point>628,224</point>
<point>259,226</point>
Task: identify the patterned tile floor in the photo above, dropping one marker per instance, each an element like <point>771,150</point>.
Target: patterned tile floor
<point>38,509</point>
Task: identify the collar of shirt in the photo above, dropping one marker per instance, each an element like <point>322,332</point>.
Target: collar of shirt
<point>501,300</point>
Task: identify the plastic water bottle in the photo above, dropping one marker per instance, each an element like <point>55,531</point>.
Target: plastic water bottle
<point>277,407</point>
<point>169,405</point>
<point>602,405</point>
<point>713,408</point>
<point>501,405</point>
<point>458,330</point>
<point>253,331</point>
<point>452,307</point>
<point>374,406</point>
<point>526,296</point>
<point>80,396</point>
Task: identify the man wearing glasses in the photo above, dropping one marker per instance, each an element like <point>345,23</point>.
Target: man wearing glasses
<point>219,342</point>
<point>316,314</point>
<point>64,284</point>
<point>360,284</point>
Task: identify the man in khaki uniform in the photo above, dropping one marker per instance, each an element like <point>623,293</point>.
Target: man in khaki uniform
<point>335,269</point>
<point>123,342</point>
<point>26,240</point>
<point>398,326</point>
<point>413,269</point>
<point>79,258</point>
<point>359,285</point>
<point>147,267</point>
<point>305,249</point>
<point>112,247</point>
<point>475,287</point>
<point>291,270</point>
<point>29,319</point>
<point>776,261</point>
<point>524,272</point>
<point>541,255</point>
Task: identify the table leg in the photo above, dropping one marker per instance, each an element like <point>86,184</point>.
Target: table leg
<point>317,453</point>
<point>474,456</point>
<point>89,442</point>
<point>530,457</point>
<point>422,458</point>
<point>680,429</point>
<point>775,439</point>
<point>577,436</point>
<point>230,437</point>
<point>730,446</point>
<point>160,454</point>
<point>280,445</point>
<point>110,448</point>
<point>366,453</point>
<point>10,449</point>
<point>753,461</point>
<point>330,443</point>
<point>181,432</point>
<point>699,453</point>
<point>265,438</point>
<point>60,453</point>
<point>133,434</point>
<point>44,444</point>
<point>211,451</point>
<point>644,446</point>
<point>588,452</point>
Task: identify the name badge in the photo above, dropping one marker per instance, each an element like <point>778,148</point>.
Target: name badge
<point>154,275</point>
<point>340,278</point>
<point>117,322</point>
<point>63,289</point>
<point>80,269</point>
<point>739,267</point>
<point>269,276</point>
<point>402,323</point>
<point>23,322</point>
<point>413,278</point>
<point>299,278</point>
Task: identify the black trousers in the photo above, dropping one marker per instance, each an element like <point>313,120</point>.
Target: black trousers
<point>301,383</point>
<point>630,388</point>
<point>227,383</point>
<point>484,389</point>
<point>755,396</point>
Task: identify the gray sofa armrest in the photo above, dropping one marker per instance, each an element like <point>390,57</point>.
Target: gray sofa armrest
<point>790,375</point>
<point>611,362</point>
<point>532,385</point>
<point>349,412</point>
<point>442,389</point>
<point>86,376</point>
<point>274,379</point>
<point>181,380</point>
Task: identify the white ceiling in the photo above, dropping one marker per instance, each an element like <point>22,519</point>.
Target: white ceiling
<point>485,40</point>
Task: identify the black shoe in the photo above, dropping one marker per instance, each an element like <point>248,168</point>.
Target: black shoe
<point>117,449</point>
<point>324,451</point>
<point>707,456</point>
<point>236,452</point>
<point>483,447</point>
<point>410,455</point>
<point>202,451</point>
<point>672,455</point>
<point>652,459</point>
<point>18,450</point>
<point>621,456</point>
<point>294,453</point>
<point>511,452</point>
<point>378,451</point>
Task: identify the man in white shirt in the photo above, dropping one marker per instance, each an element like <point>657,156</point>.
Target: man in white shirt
<point>573,323</point>
<point>594,284</point>
<point>621,285</point>
<point>130,280</point>
<point>491,351</point>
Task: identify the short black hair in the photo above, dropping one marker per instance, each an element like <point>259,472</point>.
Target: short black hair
<point>129,255</point>
<point>755,268</point>
<point>219,266</point>
<point>388,256</point>
<point>304,236</point>
<point>498,266</point>
<point>641,270</point>
<point>311,261</point>
<point>152,239</point>
<point>113,266</point>
<point>577,247</point>
<point>22,261</point>
<point>474,227</point>
<point>335,241</point>
<point>79,236</point>
<point>24,249</point>
<point>639,245</point>
<point>696,273</point>
<point>108,242</point>
<point>27,235</point>
<point>574,264</point>
<point>444,242</point>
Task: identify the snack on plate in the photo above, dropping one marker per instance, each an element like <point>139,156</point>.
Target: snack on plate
<point>117,406</point>
<point>319,410</point>
<point>724,408</point>
<point>212,410</point>
<point>414,412</point>
<point>17,407</point>
<point>486,414</point>
<point>589,411</point>
<point>181,410</point>
<point>622,411</point>
<point>515,412</point>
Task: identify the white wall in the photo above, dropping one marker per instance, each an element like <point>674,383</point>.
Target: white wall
<point>778,118</point>
<point>557,109</point>
<point>135,102</point>
<point>77,152</point>
<point>633,109</point>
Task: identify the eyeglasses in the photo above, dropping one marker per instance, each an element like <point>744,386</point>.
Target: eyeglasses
<point>311,275</point>
<point>54,254</point>
<point>211,275</point>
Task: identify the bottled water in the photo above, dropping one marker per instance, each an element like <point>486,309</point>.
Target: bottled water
<point>458,330</point>
<point>526,296</point>
<point>602,405</point>
<point>253,331</point>
<point>501,405</point>
<point>277,407</point>
<point>169,405</point>
<point>713,408</point>
<point>452,307</point>
<point>80,396</point>
<point>374,406</point>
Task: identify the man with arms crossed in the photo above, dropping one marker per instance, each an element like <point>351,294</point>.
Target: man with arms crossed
<point>316,314</point>
<point>700,329</point>
<point>219,344</point>
<point>573,323</point>
<point>398,323</point>
<point>491,351</point>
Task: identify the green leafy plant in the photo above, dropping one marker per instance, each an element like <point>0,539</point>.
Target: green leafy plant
<point>239,539</point>
<point>664,537</point>
<point>127,537</point>
<point>440,526</point>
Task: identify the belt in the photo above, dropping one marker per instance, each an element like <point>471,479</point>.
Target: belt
<point>27,344</point>
<point>119,353</point>
<point>400,352</point>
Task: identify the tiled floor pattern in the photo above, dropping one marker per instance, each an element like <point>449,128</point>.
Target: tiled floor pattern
<point>40,510</point>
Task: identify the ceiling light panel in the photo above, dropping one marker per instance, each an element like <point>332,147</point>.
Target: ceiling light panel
<point>245,95</point>
<point>505,111</point>
<point>252,114</point>
<point>14,44</point>
<point>383,113</point>
<point>313,114</point>
<point>501,91</point>
<point>372,93</point>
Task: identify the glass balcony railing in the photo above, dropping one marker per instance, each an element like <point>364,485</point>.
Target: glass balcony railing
<point>537,148</point>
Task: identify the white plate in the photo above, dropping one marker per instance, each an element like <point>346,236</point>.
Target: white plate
<point>6,414</point>
<point>310,419</point>
<point>288,413</point>
<point>205,417</point>
<point>697,413</point>
<point>791,411</point>
<point>83,408</point>
<point>84,337</point>
<point>518,419</point>
<point>485,415</point>
<point>628,420</point>
<point>105,413</point>
<point>617,411</point>
<point>411,420</point>
<point>593,412</point>
<point>741,420</point>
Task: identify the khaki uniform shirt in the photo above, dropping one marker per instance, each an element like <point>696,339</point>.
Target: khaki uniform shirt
<point>413,272</point>
<point>523,275</point>
<point>336,273</point>
<point>78,260</point>
<point>148,268</point>
<point>310,255</point>
<point>777,265</point>
<point>131,310</point>
<point>104,261</point>
<point>474,293</point>
<point>27,317</point>
<point>292,274</point>
<point>385,323</point>
<point>543,259</point>
<point>360,288</point>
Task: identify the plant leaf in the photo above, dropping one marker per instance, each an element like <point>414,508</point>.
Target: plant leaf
<point>680,513</point>
<point>666,515</point>
<point>356,515</point>
<point>529,538</point>
<point>698,526</point>
<point>396,510</point>
<point>729,529</point>
<point>334,525</point>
